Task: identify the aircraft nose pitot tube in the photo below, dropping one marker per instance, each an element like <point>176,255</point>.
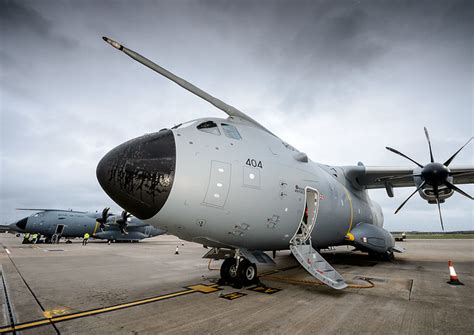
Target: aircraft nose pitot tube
<point>138,175</point>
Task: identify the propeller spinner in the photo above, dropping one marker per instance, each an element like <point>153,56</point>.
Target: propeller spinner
<point>432,174</point>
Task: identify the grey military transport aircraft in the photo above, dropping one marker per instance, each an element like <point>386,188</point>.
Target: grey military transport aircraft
<point>232,185</point>
<point>68,223</point>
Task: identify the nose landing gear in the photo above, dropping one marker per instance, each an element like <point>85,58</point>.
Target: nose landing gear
<point>238,272</point>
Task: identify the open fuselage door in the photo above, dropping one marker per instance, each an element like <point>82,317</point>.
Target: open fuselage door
<point>59,230</point>
<point>302,249</point>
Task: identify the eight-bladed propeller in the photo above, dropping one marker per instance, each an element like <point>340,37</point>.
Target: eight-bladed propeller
<point>103,219</point>
<point>432,174</point>
<point>123,222</point>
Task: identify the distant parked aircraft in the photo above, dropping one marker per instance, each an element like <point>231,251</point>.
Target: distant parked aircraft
<point>67,223</point>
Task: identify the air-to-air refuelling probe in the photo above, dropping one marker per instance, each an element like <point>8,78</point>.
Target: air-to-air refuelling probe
<point>232,185</point>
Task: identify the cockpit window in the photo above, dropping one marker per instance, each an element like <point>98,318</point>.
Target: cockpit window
<point>39,214</point>
<point>231,131</point>
<point>209,127</point>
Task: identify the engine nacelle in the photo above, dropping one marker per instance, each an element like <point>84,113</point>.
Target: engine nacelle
<point>427,192</point>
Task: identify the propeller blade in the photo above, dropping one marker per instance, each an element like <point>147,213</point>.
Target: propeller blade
<point>452,157</point>
<point>457,189</point>
<point>396,177</point>
<point>403,204</point>
<point>103,220</point>
<point>435,189</point>
<point>429,144</point>
<point>105,212</point>
<point>123,222</point>
<point>403,155</point>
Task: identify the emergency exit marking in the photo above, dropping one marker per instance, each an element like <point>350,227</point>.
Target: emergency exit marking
<point>265,289</point>
<point>233,295</point>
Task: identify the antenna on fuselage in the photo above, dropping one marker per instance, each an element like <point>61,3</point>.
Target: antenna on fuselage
<point>228,109</point>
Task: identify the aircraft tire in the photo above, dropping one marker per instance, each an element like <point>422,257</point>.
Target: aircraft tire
<point>389,256</point>
<point>228,270</point>
<point>247,272</point>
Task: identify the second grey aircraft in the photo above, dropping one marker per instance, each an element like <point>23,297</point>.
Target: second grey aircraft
<point>68,224</point>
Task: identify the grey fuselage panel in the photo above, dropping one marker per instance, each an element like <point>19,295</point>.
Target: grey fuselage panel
<point>219,178</point>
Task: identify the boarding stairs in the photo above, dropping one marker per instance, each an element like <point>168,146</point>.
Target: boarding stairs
<point>302,249</point>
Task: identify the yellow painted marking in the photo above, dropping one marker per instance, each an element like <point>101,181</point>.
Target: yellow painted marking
<point>6,330</point>
<point>233,295</point>
<point>352,211</point>
<point>267,290</point>
<point>58,318</point>
<point>54,312</point>
<point>204,288</point>
<point>31,324</point>
<point>350,237</point>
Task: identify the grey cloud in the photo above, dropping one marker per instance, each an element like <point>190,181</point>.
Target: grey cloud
<point>337,79</point>
<point>16,16</point>
<point>19,19</point>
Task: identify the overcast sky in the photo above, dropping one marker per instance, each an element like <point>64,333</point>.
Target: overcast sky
<point>339,80</point>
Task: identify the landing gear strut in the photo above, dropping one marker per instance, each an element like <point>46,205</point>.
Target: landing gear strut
<point>238,272</point>
<point>387,256</point>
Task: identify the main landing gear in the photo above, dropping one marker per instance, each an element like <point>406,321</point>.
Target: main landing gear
<point>238,272</point>
<point>387,256</point>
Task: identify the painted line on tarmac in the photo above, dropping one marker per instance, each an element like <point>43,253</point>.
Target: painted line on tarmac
<point>202,288</point>
<point>28,287</point>
<point>7,302</point>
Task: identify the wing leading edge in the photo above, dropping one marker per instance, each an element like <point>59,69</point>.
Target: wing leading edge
<point>372,177</point>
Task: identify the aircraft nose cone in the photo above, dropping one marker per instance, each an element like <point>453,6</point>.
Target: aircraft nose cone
<point>138,174</point>
<point>19,226</point>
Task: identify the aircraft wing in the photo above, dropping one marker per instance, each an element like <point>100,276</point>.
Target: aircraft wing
<point>130,225</point>
<point>49,210</point>
<point>372,177</point>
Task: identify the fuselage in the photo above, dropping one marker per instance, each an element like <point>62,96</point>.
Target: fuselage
<point>75,224</point>
<point>232,185</point>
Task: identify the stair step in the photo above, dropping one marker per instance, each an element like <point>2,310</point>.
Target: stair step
<point>318,267</point>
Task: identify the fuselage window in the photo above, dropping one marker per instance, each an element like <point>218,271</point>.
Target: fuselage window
<point>231,131</point>
<point>209,127</point>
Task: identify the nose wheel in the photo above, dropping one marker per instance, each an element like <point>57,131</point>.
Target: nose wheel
<point>238,274</point>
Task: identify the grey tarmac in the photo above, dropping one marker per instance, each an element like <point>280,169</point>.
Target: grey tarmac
<point>409,295</point>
